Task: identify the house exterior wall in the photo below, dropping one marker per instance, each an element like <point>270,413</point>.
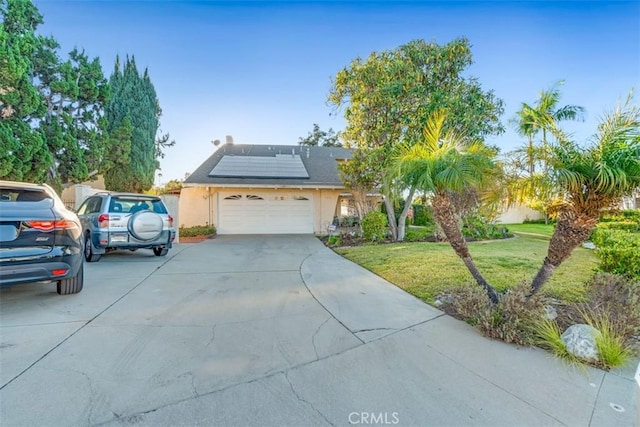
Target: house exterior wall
<point>347,205</point>
<point>326,202</point>
<point>195,207</point>
<point>631,202</point>
<point>518,214</point>
<point>199,205</point>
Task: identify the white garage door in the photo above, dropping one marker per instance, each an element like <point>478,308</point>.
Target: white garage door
<point>243,212</point>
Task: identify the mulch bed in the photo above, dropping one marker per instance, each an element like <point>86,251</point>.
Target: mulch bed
<point>194,239</point>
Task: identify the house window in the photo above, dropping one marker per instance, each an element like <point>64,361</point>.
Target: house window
<point>254,197</point>
<point>234,197</point>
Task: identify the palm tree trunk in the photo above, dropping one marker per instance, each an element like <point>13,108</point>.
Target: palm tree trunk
<point>444,215</point>
<point>542,275</point>
<point>571,230</point>
<point>531,160</point>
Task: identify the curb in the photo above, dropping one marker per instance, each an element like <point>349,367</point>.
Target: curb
<point>637,378</point>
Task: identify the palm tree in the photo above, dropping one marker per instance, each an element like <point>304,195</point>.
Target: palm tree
<point>543,117</point>
<point>592,179</point>
<point>524,126</point>
<point>443,164</point>
<point>545,114</point>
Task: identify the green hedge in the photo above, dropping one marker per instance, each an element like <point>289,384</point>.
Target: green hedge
<point>629,215</point>
<point>421,234</point>
<point>478,228</point>
<point>198,230</point>
<point>631,226</point>
<point>618,250</point>
<point>374,226</point>
<point>422,215</point>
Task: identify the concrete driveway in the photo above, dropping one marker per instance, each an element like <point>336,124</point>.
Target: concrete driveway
<point>271,330</point>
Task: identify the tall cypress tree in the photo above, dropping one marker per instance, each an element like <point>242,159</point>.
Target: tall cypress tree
<point>133,119</point>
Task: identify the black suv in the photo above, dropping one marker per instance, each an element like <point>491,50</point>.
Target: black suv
<point>40,239</point>
<point>113,221</point>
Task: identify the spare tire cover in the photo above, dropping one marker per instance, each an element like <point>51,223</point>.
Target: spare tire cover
<point>145,225</point>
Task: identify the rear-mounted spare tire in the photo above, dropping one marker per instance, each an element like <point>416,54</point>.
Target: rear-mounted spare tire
<point>145,225</point>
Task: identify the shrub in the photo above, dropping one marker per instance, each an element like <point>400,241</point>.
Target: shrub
<point>618,251</point>
<point>374,226</point>
<point>198,230</point>
<point>422,215</point>
<point>633,227</point>
<point>334,240</point>
<point>619,297</point>
<point>478,228</point>
<point>629,215</point>
<point>421,234</point>
<point>612,349</point>
<point>512,320</point>
<point>550,337</point>
<point>612,307</point>
<point>349,221</point>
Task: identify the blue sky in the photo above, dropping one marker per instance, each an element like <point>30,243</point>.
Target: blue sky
<point>261,71</point>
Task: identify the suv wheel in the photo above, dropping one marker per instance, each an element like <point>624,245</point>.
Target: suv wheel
<point>89,255</point>
<point>160,251</point>
<point>72,285</point>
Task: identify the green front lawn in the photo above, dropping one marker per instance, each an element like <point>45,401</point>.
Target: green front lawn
<point>429,269</point>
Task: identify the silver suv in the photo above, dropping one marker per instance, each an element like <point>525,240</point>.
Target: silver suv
<point>113,221</point>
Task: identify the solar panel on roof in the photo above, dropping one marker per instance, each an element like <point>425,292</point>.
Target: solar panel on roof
<point>280,166</point>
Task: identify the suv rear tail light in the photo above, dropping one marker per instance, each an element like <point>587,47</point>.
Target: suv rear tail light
<point>103,221</point>
<point>52,225</point>
<point>170,221</point>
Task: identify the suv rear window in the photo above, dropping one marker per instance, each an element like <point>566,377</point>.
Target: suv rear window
<point>23,195</point>
<point>133,205</point>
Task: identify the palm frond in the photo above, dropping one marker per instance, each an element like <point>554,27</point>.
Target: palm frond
<point>432,131</point>
<point>442,162</point>
<point>569,112</point>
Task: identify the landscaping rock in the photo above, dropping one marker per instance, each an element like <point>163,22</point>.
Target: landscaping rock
<point>588,245</point>
<point>444,299</point>
<point>580,340</point>
<point>550,312</point>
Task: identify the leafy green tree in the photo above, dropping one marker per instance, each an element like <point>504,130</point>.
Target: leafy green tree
<point>388,97</point>
<point>172,185</point>
<point>23,153</point>
<point>318,138</point>
<point>359,176</point>
<point>591,179</point>
<point>446,164</point>
<point>50,111</point>
<point>133,114</point>
<point>74,93</point>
